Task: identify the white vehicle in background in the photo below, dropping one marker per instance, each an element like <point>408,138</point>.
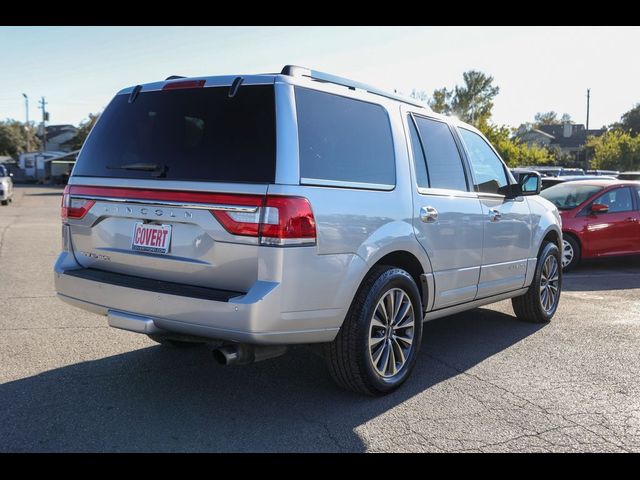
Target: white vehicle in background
<point>6,186</point>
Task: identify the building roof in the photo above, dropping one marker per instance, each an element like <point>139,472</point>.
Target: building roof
<point>577,138</point>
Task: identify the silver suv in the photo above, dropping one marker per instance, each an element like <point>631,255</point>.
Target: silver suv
<point>259,211</point>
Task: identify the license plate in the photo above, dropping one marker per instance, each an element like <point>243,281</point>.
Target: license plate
<point>151,238</point>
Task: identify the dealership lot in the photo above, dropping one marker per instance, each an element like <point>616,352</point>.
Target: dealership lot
<point>484,381</point>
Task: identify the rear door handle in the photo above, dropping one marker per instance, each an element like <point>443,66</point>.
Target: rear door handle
<point>494,215</point>
<point>428,214</point>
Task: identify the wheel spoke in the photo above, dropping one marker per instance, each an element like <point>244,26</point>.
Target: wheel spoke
<point>378,354</point>
<point>401,314</point>
<point>397,350</point>
<point>381,308</point>
<point>376,322</point>
<point>373,341</point>
<point>408,340</point>
<point>390,307</point>
<point>385,358</point>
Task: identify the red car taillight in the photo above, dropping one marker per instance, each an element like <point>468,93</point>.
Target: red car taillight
<point>280,220</point>
<point>74,207</point>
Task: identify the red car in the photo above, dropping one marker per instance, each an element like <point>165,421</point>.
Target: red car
<point>600,218</point>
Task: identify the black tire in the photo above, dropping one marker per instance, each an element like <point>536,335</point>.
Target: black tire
<point>170,342</point>
<point>575,249</point>
<point>529,307</point>
<point>348,357</point>
<point>5,202</point>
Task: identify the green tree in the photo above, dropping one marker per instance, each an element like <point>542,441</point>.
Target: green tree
<point>546,118</point>
<point>615,150</point>
<point>473,101</point>
<point>83,131</point>
<point>566,118</point>
<point>514,152</point>
<point>17,137</point>
<point>440,101</point>
<point>631,120</point>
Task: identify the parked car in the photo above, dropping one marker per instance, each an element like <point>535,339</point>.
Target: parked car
<point>557,171</point>
<point>599,218</point>
<point>629,176</point>
<point>612,173</point>
<point>6,186</point>
<point>551,181</point>
<point>259,211</point>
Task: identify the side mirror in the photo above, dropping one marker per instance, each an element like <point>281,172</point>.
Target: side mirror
<point>599,208</point>
<point>528,184</point>
<point>531,183</point>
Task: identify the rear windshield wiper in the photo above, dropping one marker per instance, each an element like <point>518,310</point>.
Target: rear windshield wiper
<point>157,169</point>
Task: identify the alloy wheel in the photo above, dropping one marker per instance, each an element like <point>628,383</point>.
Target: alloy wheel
<point>391,332</point>
<point>549,284</point>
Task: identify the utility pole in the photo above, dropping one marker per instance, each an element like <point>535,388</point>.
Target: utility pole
<point>588,97</point>
<point>45,115</point>
<point>26,101</point>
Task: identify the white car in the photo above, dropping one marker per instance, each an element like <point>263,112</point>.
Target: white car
<point>6,186</point>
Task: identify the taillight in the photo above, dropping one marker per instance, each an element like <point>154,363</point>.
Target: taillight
<point>74,207</point>
<point>279,221</point>
<point>287,221</point>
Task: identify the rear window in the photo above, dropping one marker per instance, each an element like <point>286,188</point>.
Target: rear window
<point>567,196</point>
<point>197,134</point>
<point>343,140</point>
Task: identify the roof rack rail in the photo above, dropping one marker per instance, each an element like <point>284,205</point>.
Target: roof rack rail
<point>296,71</point>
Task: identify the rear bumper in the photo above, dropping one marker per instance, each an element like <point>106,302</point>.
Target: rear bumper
<point>255,317</point>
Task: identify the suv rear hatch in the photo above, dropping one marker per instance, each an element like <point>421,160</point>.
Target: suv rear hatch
<point>171,184</point>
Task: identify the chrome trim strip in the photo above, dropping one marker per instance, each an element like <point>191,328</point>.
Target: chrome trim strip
<point>166,203</point>
<point>339,183</point>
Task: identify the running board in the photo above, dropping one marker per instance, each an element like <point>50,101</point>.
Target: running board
<point>445,312</point>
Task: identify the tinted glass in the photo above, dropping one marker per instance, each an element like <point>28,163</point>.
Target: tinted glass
<point>3,172</point>
<point>342,139</point>
<point>443,159</point>
<point>568,195</point>
<point>638,197</point>
<point>187,134</point>
<point>618,200</point>
<point>422,178</point>
<point>488,170</point>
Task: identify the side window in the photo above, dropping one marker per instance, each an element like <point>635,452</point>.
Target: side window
<point>444,164</point>
<point>342,139</point>
<point>487,168</point>
<point>3,173</point>
<point>618,200</point>
<point>638,197</point>
<point>422,177</point>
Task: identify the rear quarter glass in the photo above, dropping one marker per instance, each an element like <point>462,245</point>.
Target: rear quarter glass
<point>197,134</point>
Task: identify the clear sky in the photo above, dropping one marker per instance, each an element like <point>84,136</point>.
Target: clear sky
<point>78,69</point>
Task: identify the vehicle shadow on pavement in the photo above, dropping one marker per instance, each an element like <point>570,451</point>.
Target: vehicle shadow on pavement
<point>161,399</point>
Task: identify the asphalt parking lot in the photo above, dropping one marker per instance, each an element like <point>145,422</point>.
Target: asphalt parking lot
<point>484,381</point>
